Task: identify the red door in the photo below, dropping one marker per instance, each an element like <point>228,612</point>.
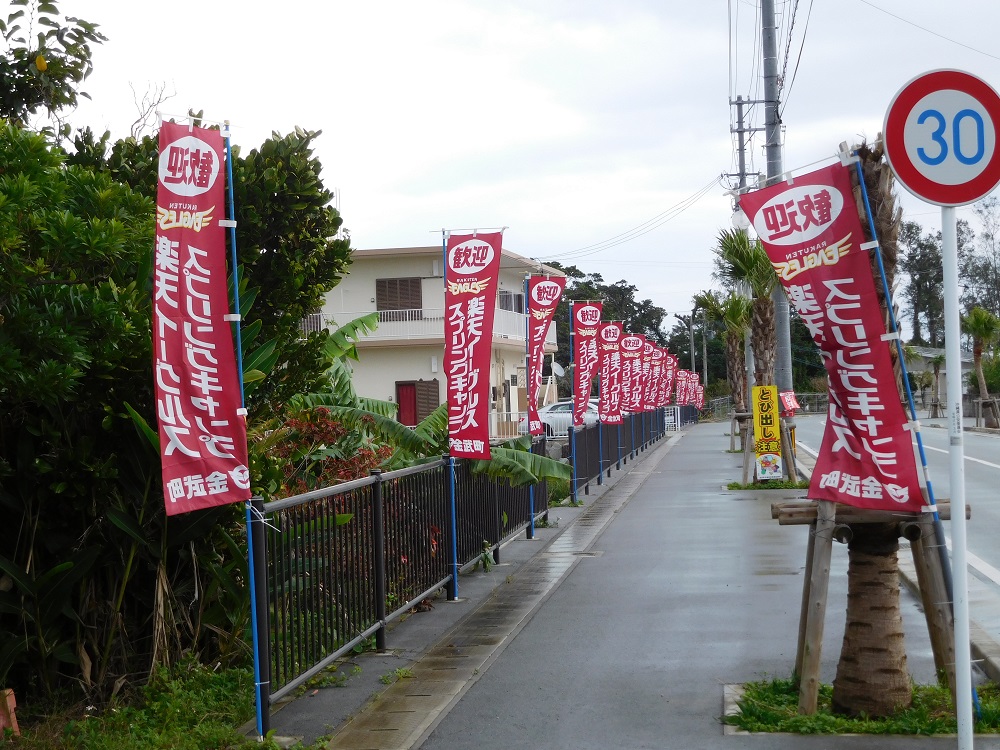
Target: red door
<point>406,397</point>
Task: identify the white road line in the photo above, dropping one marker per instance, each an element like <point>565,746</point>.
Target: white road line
<point>927,448</point>
<point>974,561</point>
<point>967,458</point>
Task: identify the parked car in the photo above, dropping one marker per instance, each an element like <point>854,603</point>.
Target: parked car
<point>558,416</point>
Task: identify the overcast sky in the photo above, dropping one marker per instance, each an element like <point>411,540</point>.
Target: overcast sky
<point>571,122</point>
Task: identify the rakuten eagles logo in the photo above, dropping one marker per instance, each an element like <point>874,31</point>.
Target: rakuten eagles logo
<point>470,257</point>
<point>799,214</point>
<point>546,293</point>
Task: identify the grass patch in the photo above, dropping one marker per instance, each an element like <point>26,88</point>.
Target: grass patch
<point>190,707</point>
<point>772,706</point>
<point>558,491</point>
<point>770,484</point>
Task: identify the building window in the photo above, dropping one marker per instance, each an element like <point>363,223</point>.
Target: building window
<point>511,301</point>
<point>399,299</point>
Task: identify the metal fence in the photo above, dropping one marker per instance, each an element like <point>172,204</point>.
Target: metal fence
<point>599,448</point>
<point>334,566</point>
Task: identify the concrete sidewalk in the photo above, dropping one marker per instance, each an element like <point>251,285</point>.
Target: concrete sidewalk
<point>619,629</point>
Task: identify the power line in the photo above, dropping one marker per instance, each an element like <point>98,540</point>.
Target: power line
<point>929,31</point>
<point>647,226</point>
<point>795,72</point>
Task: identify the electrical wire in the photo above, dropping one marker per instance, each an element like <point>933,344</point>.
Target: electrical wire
<point>647,226</point>
<point>788,48</point>
<point>795,72</point>
<point>929,31</point>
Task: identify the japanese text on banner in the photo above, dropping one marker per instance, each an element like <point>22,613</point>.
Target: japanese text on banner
<point>473,264</point>
<point>544,293</point>
<point>609,351</point>
<point>812,235</point>
<point>198,398</point>
<point>586,321</point>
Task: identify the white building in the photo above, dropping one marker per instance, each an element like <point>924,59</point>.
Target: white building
<point>402,361</point>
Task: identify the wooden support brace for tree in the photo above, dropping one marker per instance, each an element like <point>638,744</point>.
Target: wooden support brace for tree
<point>788,452</point>
<point>804,609</point>
<point>934,597</point>
<point>793,512</point>
<point>748,453</point>
<point>819,584</point>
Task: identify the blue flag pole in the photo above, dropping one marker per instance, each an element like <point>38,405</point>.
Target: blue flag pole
<point>261,687</point>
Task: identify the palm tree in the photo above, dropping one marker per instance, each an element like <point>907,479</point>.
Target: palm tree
<point>936,362</point>
<point>743,262</point>
<point>733,311</point>
<point>984,328</point>
<point>872,677</point>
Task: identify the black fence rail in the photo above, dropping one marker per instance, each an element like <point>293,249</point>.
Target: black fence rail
<point>334,566</point>
<point>599,448</point>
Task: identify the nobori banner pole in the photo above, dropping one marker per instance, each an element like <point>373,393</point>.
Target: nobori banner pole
<point>572,427</point>
<point>256,554</point>
<point>529,379</point>
<point>956,473</point>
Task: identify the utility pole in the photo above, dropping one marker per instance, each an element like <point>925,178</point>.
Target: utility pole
<point>689,322</point>
<point>740,221</point>
<point>704,348</point>
<point>772,132</point>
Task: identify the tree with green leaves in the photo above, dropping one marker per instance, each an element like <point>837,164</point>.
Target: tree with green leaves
<point>920,260</point>
<point>983,327</point>
<point>733,311</point>
<point>44,60</point>
<point>743,265</point>
<point>620,304</point>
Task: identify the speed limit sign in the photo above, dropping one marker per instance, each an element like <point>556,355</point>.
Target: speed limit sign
<point>940,137</point>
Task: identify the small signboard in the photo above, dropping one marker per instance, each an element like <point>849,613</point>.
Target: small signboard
<point>767,432</point>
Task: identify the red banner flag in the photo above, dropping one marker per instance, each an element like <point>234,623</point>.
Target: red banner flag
<point>631,348</point>
<point>655,378</point>
<point>609,351</point>
<point>669,374</point>
<point>202,425</point>
<point>789,404</point>
<point>544,293</point>
<point>586,321</point>
<point>813,236</point>
<point>470,301</point>
<point>647,371</point>
<point>684,382</point>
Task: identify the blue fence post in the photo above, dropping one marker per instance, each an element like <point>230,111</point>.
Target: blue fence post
<point>453,587</point>
<point>531,512</point>
<point>257,563</point>
<point>600,453</point>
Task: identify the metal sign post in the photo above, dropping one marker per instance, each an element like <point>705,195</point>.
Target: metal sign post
<point>940,139</point>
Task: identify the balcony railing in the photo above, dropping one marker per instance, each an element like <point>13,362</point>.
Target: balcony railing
<point>425,323</point>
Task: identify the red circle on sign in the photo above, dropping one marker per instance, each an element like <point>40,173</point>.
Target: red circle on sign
<point>912,179</point>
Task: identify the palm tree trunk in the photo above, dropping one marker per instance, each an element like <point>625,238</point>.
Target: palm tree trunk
<point>989,413</point>
<point>736,370</point>
<point>871,676</point>
<point>763,340</point>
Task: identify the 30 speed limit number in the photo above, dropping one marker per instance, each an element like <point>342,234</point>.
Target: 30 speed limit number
<point>941,137</point>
